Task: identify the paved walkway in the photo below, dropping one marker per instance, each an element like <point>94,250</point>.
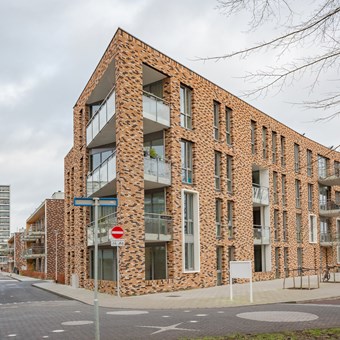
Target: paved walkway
<point>264,292</point>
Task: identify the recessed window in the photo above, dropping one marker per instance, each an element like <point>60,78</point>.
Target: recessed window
<point>297,193</point>
<point>253,136</point>
<point>216,121</point>
<point>264,142</point>
<point>228,121</point>
<point>229,174</point>
<point>312,229</point>
<point>274,147</point>
<point>185,105</point>
<point>186,157</point>
<point>309,163</point>
<point>297,158</point>
<point>310,196</point>
<point>217,170</point>
<point>283,151</point>
<point>218,217</point>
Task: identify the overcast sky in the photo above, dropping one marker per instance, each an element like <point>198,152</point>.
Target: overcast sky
<point>51,47</point>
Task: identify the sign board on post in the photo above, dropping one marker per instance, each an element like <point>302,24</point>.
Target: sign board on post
<point>240,270</point>
<point>117,232</point>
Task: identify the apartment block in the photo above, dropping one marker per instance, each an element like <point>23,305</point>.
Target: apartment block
<point>16,251</point>
<point>201,177</point>
<point>43,239</point>
<point>5,228</point>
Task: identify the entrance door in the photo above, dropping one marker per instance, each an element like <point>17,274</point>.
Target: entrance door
<point>155,262</point>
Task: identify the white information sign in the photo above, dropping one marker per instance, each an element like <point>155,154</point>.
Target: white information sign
<point>117,243</point>
<point>240,270</point>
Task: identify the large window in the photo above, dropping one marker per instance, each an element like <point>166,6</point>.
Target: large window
<point>310,196</point>
<point>284,226</point>
<point>98,157</point>
<point>217,170</point>
<point>106,264</point>
<point>228,127</point>
<point>154,202</point>
<point>296,158</point>
<point>312,229</point>
<point>309,163</point>
<point>323,166</point>
<point>190,215</point>
<point>264,143</point>
<point>186,113</point>
<point>274,147</point>
<point>186,156</point>
<point>216,121</point>
<point>276,225</point>
<point>283,190</point>
<point>230,219</point>
<point>218,217</point>
<point>253,136</point>
<point>283,151</point>
<point>229,174</point>
<point>297,193</point>
<point>155,262</point>
<point>275,187</point>
<point>298,224</point>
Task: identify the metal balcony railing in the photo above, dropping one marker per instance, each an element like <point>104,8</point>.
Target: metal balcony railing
<point>325,237</point>
<point>329,208</point>
<point>330,175</point>
<point>156,109</point>
<point>105,223</point>
<point>102,175</point>
<point>105,112</point>
<point>158,227</point>
<point>260,195</point>
<point>34,252</point>
<point>261,234</point>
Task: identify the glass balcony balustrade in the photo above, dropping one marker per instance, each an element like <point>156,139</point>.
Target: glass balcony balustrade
<point>101,117</point>
<point>158,227</point>
<point>260,195</point>
<point>33,252</point>
<point>329,208</point>
<point>105,223</point>
<point>157,170</point>
<point>156,109</point>
<point>329,176</point>
<point>261,234</point>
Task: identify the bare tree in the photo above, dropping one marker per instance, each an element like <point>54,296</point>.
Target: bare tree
<point>316,38</point>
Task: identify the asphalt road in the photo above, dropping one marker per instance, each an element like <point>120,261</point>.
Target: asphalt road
<point>27,312</point>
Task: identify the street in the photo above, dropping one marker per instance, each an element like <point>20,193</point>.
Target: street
<point>28,312</point>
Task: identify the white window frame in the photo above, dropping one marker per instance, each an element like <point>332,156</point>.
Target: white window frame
<point>313,231</point>
<point>196,227</point>
<point>186,107</point>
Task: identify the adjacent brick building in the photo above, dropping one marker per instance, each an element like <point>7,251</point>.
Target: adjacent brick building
<point>5,228</point>
<point>201,178</point>
<point>44,241</point>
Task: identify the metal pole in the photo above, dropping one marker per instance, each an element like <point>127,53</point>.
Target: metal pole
<point>118,278</point>
<point>95,302</point>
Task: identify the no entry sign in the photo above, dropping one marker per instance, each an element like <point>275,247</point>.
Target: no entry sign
<point>117,232</point>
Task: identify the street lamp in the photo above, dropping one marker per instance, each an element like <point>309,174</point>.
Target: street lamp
<point>56,255</point>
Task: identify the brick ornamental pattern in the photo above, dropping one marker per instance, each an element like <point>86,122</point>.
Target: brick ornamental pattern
<point>129,54</point>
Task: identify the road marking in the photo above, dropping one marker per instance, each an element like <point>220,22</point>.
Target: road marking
<point>278,316</point>
<point>166,316</point>
<point>193,321</point>
<point>76,323</point>
<point>77,311</point>
<point>187,311</point>
<point>220,312</point>
<point>12,335</point>
<point>58,331</point>
<point>201,314</point>
<point>128,312</point>
<point>170,328</point>
<point>316,305</point>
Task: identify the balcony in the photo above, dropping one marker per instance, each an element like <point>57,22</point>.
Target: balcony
<point>156,113</point>
<point>34,252</point>
<point>158,227</point>
<point>157,173</point>
<point>329,176</point>
<point>102,180</point>
<point>329,209</point>
<point>260,195</point>
<point>3,260</point>
<point>105,223</point>
<point>261,234</point>
<point>101,128</point>
<point>326,239</point>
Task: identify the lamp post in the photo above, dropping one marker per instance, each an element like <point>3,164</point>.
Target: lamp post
<point>56,255</point>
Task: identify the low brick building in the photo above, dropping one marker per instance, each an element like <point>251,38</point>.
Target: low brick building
<point>44,240</point>
<point>201,178</point>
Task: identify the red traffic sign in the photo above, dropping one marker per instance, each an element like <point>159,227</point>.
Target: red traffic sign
<point>117,232</point>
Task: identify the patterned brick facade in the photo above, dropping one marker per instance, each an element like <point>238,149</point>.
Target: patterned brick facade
<point>129,57</point>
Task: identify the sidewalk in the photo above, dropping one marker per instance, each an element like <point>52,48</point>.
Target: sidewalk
<point>264,292</point>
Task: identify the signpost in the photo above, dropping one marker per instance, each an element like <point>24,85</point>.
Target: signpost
<point>116,234</point>
<point>240,270</point>
<point>96,202</point>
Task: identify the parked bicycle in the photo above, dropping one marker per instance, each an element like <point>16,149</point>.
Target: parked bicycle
<point>326,275</point>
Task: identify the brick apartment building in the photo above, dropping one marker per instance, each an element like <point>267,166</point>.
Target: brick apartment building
<point>5,231</point>
<point>201,178</point>
<point>42,252</point>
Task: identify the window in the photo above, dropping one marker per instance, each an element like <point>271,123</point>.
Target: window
<point>274,148</point>
<point>264,142</point>
<point>323,197</point>
<point>337,168</point>
<point>218,210</point>
<point>186,155</point>
<point>185,103</point>
<point>99,157</point>
<point>309,163</point>
<point>285,260</point>
<point>216,121</point>
<point>217,170</point>
<point>106,264</point>
<point>275,187</point>
<point>230,219</point>
<point>283,189</point>
<point>253,137</point>
<point>325,235</point>
<point>190,225</point>
<point>310,196</point>
<point>283,151</point>
<point>228,117</point>
<point>297,193</point>
<point>296,158</point>
<point>298,228</point>
<point>154,202</point>
<point>229,174</point>
<point>299,260</point>
<point>337,197</point>
<point>284,227</point>
<point>155,262</point>
<point>312,229</point>
<point>323,166</point>
<point>276,225</point>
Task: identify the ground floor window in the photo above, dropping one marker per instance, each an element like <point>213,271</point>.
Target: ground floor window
<point>155,262</point>
<point>107,264</point>
<point>262,260</point>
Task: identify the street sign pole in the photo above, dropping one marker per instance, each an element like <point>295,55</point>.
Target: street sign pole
<point>96,308</point>
<point>118,278</point>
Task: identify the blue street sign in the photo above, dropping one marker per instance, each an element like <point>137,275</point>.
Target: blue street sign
<point>88,202</point>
